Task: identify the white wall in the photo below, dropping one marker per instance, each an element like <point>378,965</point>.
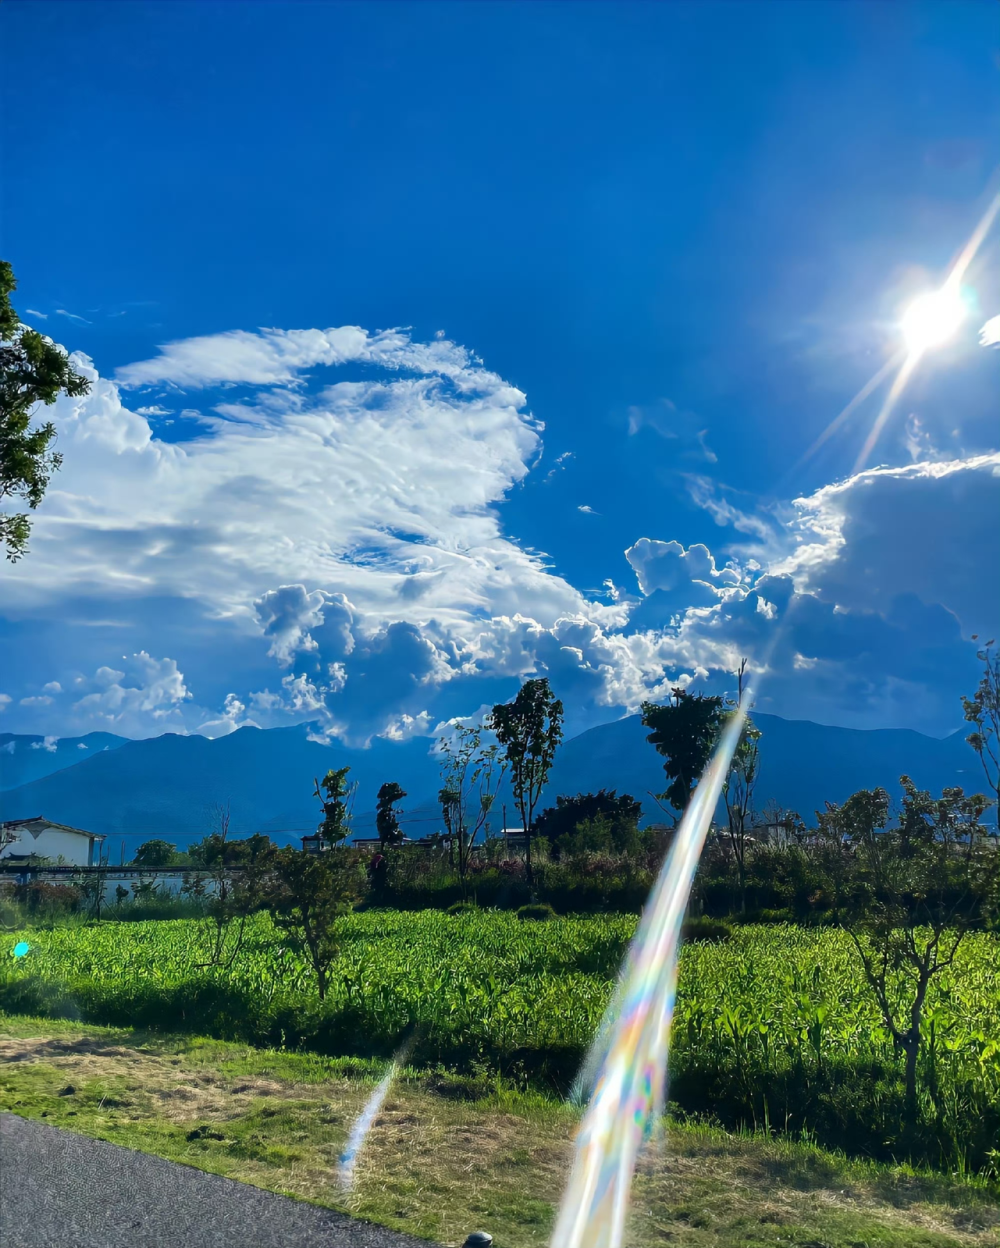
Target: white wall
<point>51,843</point>
<point>163,883</point>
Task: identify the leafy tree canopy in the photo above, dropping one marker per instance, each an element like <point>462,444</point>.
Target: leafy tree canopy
<point>215,849</point>
<point>529,730</point>
<point>337,797</point>
<point>907,891</point>
<point>305,895</point>
<point>32,370</point>
<point>155,854</point>
<point>611,822</point>
<point>684,732</point>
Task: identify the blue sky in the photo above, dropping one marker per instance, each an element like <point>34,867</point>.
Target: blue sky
<point>642,256</point>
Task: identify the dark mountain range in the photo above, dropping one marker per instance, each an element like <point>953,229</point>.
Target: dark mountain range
<point>803,764</point>
<point>26,758</point>
<point>169,786</point>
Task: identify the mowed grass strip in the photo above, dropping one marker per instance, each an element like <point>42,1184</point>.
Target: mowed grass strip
<point>448,1155</point>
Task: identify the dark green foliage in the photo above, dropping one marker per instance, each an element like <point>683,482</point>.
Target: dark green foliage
<point>215,848</point>
<point>153,906</point>
<point>704,928</point>
<point>561,824</point>
<point>386,815</point>
<point>305,895</point>
<point>908,895</point>
<point>337,799</point>
<point>41,901</point>
<point>32,370</point>
<point>155,854</point>
<point>539,911</point>
<point>983,711</point>
<point>684,733</point>
<point>462,907</point>
<point>529,730</point>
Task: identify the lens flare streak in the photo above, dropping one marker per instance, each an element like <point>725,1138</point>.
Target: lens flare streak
<point>630,1090</point>
<point>366,1119</point>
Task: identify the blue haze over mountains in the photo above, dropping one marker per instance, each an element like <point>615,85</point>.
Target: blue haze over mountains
<point>168,786</point>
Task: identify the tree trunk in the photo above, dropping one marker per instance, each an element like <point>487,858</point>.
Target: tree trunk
<point>911,1046</point>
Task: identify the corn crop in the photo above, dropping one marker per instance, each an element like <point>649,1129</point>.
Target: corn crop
<point>774,1027</point>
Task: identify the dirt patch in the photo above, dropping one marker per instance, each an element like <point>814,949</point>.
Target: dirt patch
<point>169,1091</point>
<point>44,1049</point>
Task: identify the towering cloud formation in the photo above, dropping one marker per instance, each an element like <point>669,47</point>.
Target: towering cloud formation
<point>305,522</point>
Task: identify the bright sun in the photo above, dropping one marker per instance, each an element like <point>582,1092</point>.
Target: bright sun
<point>932,319</point>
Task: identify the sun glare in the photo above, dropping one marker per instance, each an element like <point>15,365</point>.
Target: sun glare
<point>932,319</point>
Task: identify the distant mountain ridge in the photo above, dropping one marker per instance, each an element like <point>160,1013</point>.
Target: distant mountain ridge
<point>168,786</point>
<point>27,758</point>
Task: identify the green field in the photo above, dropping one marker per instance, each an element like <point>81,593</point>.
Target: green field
<point>773,1028</point>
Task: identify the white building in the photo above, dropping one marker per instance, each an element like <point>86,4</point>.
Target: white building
<point>21,839</point>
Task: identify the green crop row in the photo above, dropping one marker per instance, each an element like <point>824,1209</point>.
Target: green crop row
<point>775,1026</point>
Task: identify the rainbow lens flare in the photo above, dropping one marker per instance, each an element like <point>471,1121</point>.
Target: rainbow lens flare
<point>631,1051</point>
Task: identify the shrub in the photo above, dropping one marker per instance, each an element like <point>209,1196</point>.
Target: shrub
<point>536,911</point>
<point>43,900</point>
<point>703,928</point>
<point>462,907</point>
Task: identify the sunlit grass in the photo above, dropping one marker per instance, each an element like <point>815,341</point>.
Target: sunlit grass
<point>772,1028</point>
<point>450,1154</point>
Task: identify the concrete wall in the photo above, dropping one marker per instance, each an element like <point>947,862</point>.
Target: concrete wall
<point>163,880</point>
<point>51,843</point>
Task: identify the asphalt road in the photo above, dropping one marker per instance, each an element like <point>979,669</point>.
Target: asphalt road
<point>61,1190</point>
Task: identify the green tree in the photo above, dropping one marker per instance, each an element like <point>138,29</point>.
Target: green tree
<point>93,883</point>
<point>907,894</point>
<point>155,854</point>
<point>233,896</point>
<point>337,799</point>
<point>983,710</point>
<point>386,815</point>
<point>529,730</point>
<point>32,370</point>
<point>306,894</point>
<point>611,818</point>
<point>684,732</point>
<point>471,773</point>
<point>738,790</point>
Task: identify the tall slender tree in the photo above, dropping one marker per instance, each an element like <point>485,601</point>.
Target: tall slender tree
<point>738,790</point>
<point>471,773</point>
<point>33,370</point>
<point>387,816</point>
<point>983,710</point>
<point>529,730</point>
<point>337,798</point>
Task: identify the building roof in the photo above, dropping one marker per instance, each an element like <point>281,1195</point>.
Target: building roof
<point>12,825</point>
